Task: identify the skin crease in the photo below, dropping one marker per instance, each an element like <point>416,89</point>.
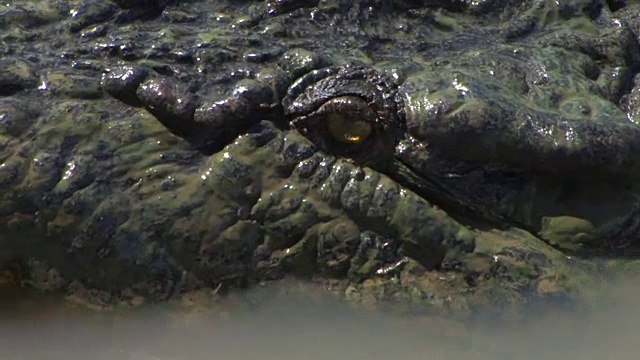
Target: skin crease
<point>150,153</point>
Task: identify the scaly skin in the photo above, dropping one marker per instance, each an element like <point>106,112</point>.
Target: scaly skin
<point>157,149</point>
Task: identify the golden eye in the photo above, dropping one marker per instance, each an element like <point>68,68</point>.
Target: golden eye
<point>353,112</point>
<point>348,119</point>
<point>348,130</point>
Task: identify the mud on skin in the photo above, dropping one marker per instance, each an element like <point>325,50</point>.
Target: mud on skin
<point>446,155</point>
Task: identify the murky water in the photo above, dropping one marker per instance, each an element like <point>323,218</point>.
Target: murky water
<point>267,324</point>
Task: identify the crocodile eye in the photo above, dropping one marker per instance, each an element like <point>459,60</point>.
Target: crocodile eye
<point>352,111</point>
<point>348,119</point>
<point>346,125</point>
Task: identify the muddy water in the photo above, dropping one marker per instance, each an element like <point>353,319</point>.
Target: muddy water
<point>274,324</point>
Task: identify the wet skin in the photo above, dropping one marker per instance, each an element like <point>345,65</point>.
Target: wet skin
<point>445,156</point>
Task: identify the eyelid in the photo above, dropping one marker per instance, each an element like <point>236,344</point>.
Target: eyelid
<point>350,106</point>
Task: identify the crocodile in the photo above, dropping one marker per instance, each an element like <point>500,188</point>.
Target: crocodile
<point>447,154</point>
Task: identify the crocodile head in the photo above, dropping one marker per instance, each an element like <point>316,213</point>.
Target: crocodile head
<point>454,154</point>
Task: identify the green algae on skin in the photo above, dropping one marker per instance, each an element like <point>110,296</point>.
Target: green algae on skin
<point>567,232</point>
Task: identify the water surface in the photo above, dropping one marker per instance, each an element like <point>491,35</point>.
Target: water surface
<point>274,324</point>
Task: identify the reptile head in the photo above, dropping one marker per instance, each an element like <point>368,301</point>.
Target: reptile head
<point>422,153</point>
